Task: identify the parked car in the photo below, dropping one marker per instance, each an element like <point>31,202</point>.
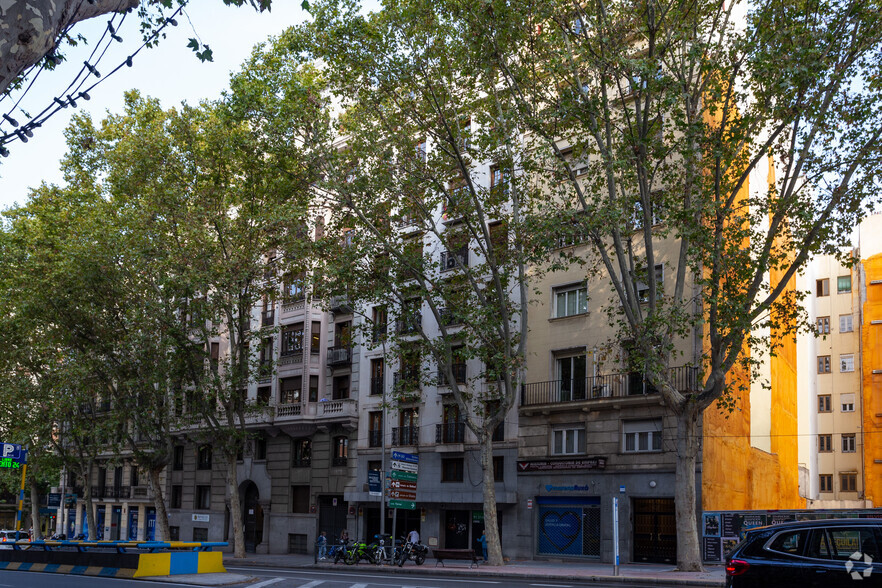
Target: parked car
<point>7,536</point>
<point>808,554</point>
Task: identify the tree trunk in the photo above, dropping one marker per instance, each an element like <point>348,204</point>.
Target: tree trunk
<point>688,551</point>
<point>159,503</point>
<point>235,508</point>
<point>35,510</point>
<point>90,515</point>
<point>491,526</point>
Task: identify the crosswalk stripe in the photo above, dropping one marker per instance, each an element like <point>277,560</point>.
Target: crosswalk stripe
<point>358,586</point>
<point>266,582</point>
<point>313,583</point>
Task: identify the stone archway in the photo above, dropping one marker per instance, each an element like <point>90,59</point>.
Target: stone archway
<point>252,516</point>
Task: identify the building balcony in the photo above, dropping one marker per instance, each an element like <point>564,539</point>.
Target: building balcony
<point>339,355</point>
<point>409,325</point>
<point>450,433</point>
<point>405,436</point>
<point>142,492</point>
<point>459,374</point>
<point>290,357</point>
<point>268,318</point>
<point>340,305</point>
<point>601,388</point>
<point>117,492</point>
<point>375,438</point>
<point>449,317</point>
<point>377,385</point>
<point>313,414</point>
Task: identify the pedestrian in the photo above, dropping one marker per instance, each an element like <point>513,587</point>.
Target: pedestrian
<point>344,537</point>
<point>322,543</point>
<point>413,537</point>
<point>483,541</point>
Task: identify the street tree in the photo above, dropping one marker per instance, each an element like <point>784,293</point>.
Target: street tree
<point>747,135</point>
<point>430,223</point>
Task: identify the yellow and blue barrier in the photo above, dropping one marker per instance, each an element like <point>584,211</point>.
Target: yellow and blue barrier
<point>120,559</point>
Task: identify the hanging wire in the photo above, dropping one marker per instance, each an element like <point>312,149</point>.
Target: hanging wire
<point>71,93</point>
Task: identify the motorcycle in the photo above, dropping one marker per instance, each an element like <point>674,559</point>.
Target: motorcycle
<point>414,551</point>
<point>359,551</point>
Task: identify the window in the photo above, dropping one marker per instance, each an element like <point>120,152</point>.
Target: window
<point>846,362</point>
<point>640,436</point>
<point>847,402</point>
<point>823,364</point>
<point>292,340</point>
<point>825,403</point>
<point>498,240</point>
<point>302,453</point>
<point>200,533</point>
<point>823,325</point>
<point>792,542</point>
<point>499,178</point>
<point>375,428</point>
<point>379,320</point>
<point>289,390</point>
<point>177,496</point>
<point>315,342</point>
<point>848,482</point>
<point>825,443</point>
<point>643,289</point>
<point>843,284</point>
<point>263,394</point>
<point>215,356</point>
<point>313,388</point>
<point>452,469</point>
<point>178,460</point>
<point>573,377</point>
<point>822,287</point>
<point>134,476</point>
<point>340,387</point>
<point>568,441</point>
<point>421,150</point>
<point>845,542</point>
<point>377,381</point>
<point>259,447</point>
<point>499,469</point>
<point>174,533</point>
<point>825,482</point>
<point>294,287</point>
<point>300,499</point>
<point>203,497</point>
<point>570,300</point>
<point>374,466</point>
<point>341,451</point>
<point>846,323</point>
<point>204,458</point>
<point>848,443</point>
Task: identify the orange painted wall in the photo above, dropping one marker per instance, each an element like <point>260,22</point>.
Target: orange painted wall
<point>871,336</point>
<point>735,475</point>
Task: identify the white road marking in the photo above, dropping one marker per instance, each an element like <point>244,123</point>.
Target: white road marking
<point>344,574</point>
<point>313,584</point>
<point>268,582</point>
<point>554,585</point>
<point>358,586</point>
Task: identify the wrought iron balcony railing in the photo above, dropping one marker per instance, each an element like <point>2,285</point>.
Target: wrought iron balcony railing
<point>450,433</point>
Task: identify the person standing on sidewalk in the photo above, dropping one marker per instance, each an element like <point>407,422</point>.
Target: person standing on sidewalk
<point>483,541</point>
<point>322,543</point>
<point>413,537</point>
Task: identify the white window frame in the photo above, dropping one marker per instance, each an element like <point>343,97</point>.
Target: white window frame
<point>568,440</point>
<point>846,362</point>
<point>568,291</point>
<point>644,436</point>
<point>846,402</point>
<point>849,442</point>
<point>846,323</point>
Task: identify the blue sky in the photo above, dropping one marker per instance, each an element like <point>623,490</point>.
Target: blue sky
<point>169,72</point>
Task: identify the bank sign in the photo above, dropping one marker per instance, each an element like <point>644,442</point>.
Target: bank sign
<point>12,455</point>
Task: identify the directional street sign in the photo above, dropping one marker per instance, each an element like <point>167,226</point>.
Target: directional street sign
<point>404,466</point>
<point>407,504</point>
<point>409,476</point>
<point>408,457</point>
<point>403,485</point>
<point>402,494</point>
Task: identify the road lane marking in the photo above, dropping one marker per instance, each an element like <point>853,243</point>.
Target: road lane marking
<point>267,582</point>
<point>313,584</point>
<point>554,585</point>
<point>429,577</point>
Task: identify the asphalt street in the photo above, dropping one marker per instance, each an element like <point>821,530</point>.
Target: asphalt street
<point>282,578</point>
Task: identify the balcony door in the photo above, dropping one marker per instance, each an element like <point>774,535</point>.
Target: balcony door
<point>572,373</point>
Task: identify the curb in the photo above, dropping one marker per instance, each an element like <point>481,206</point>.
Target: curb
<point>470,573</point>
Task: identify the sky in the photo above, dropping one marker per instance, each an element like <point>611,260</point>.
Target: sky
<point>170,72</point>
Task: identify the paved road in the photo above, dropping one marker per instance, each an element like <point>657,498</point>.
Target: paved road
<point>285,578</point>
<point>281,578</point>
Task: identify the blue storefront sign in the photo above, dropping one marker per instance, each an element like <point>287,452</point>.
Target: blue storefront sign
<point>150,531</point>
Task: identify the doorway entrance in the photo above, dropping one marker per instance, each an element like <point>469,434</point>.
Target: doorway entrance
<point>332,516</point>
<point>252,517</point>
<point>655,530</point>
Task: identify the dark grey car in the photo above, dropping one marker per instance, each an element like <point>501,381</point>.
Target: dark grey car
<point>808,554</point>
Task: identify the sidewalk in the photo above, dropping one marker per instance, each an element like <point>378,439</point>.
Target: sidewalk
<point>662,575</point>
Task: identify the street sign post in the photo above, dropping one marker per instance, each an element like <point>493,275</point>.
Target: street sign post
<point>403,485</point>
<point>408,457</point>
<point>402,494</point>
<point>409,476</point>
<point>405,466</point>
<point>16,457</point>
<point>406,504</point>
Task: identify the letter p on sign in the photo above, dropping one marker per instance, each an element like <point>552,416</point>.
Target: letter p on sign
<point>10,450</point>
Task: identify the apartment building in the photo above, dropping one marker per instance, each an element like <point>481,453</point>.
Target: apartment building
<point>832,382</point>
